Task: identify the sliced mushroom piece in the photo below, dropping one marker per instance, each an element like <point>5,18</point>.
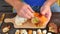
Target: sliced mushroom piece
<point>5,29</point>
<point>17,32</point>
<point>24,32</point>
<point>39,31</point>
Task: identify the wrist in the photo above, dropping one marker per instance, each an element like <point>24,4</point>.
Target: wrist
<point>17,5</point>
<point>46,6</point>
<point>47,3</point>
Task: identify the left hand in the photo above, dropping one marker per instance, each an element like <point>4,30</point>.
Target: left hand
<point>46,11</point>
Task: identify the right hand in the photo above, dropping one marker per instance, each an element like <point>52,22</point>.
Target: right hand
<point>25,11</point>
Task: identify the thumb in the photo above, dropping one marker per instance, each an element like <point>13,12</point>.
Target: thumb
<point>43,12</point>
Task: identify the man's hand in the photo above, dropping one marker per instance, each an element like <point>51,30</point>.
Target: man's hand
<point>46,11</point>
<point>25,11</point>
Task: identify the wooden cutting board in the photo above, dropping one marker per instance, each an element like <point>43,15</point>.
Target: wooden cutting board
<point>27,24</point>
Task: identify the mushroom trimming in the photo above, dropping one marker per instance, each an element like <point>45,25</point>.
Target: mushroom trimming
<point>19,20</point>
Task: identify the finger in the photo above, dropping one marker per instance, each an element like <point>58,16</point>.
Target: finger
<point>30,9</point>
<point>43,11</point>
<point>23,13</point>
<point>49,15</point>
<point>26,14</point>
<point>29,12</point>
<point>20,13</point>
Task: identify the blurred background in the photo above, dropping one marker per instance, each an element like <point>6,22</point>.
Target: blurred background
<point>56,7</point>
<point>5,7</point>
